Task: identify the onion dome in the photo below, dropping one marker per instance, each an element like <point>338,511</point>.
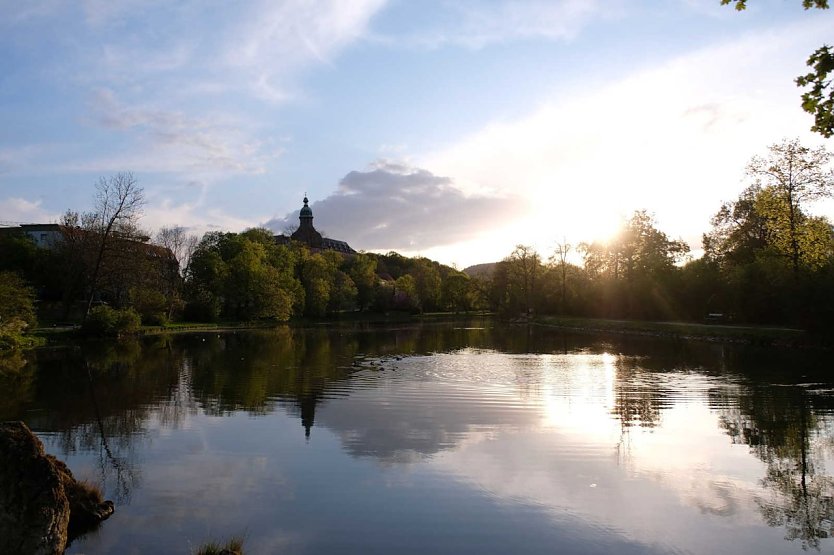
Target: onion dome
<point>306,211</point>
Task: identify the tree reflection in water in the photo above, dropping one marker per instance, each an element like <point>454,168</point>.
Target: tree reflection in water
<point>107,399</point>
<point>789,429</point>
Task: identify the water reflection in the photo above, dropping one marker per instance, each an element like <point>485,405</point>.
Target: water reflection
<point>626,443</point>
<point>789,429</point>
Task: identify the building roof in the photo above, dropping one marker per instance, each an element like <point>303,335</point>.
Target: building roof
<point>307,234</point>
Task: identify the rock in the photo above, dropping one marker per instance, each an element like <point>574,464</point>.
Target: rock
<point>42,506</point>
<point>34,509</point>
<point>87,507</point>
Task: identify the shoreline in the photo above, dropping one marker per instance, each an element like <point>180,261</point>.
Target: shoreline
<point>689,331</point>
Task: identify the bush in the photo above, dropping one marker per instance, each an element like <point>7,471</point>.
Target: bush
<point>127,321</point>
<point>201,311</point>
<point>100,321</point>
<point>17,311</point>
<point>158,319</point>
<point>151,305</point>
<point>104,321</point>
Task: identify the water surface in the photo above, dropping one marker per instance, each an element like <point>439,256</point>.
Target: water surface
<point>440,439</point>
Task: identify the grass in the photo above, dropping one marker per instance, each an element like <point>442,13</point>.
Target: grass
<point>234,545</point>
<point>715,332</point>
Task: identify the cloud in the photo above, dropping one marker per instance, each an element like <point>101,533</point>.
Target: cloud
<point>172,141</point>
<point>673,139</point>
<point>14,158</point>
<point>193,214</point>
<point>15,210</point>
<point>274,40</point>
<point>476,25</point>
<point>401,207</point>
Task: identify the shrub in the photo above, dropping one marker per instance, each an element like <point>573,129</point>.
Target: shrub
<point>104,321</point>
<point>17,311</point>
<point>100,321</point>
<point>127,321</point>
<point>156,319</point>
<point>202,311</point>
<point>151,305</point>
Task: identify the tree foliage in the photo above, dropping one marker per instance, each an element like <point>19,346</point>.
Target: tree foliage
<point>819,99</point>
<point>773,258</point>
<point>788,178</point>
<point>807,4</point>
<point>17,310</point>
<point>242,276</point>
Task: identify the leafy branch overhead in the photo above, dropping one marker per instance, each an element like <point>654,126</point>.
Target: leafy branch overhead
<point>807,4</point>
<point>815,101</point>
<point>819,100</point>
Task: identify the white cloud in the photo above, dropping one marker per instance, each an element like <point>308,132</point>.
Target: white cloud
<point>193,215</point>
<point>15,210</point>
<point>276,39</point>
<point>476,25</point>
<point>397,206</point>
<point>172,141</point>
<point>673,139</point>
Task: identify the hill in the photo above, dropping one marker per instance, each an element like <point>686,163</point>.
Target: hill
<point>480,270</point>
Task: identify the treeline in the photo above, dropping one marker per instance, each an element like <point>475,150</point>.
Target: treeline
<point>248,276</point>
<point>129,275</point>
<point>766,260</point>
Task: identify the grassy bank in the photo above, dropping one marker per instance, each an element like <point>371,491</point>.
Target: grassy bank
<point>59,333</point>
<point>762,335</point>
<point>684,330</point>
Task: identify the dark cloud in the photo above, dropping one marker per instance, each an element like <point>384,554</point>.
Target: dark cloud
<point>398,207</point>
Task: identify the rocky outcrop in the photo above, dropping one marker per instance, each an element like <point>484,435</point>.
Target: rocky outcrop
<point>41,505</point>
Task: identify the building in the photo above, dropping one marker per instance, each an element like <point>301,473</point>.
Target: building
<point>308,235</point>
<point>45,236</point>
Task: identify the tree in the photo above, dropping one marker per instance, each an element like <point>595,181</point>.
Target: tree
<point>242,276</point>
<point>815,101</point>
<point>428,282</point>
<point>635,272</point>
<point>362,270</point>
<point>789,177</point>
<point>639,249</point>
<point>118,204</point>
<point>405,293</point>
<point>181,244</point>
<point>317,276</point>
<point>458,294</point>
<point>561,254</point>
<point>523,270</point>
<point>739,232</point>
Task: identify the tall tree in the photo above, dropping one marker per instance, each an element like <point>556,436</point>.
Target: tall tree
<point>523,270</point>
<point>181,244</point>
<point>118,205</point>
<point>560,256</point>
<point>636,271</point>
<point>790,176</point>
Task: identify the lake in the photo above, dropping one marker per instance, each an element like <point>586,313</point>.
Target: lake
<point>442,438</point>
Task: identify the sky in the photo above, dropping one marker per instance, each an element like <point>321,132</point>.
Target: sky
<point>448,129</point>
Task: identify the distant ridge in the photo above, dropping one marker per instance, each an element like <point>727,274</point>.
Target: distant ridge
<point>480,270</point>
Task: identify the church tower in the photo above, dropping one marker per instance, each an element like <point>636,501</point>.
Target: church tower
<point>306,233</point>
